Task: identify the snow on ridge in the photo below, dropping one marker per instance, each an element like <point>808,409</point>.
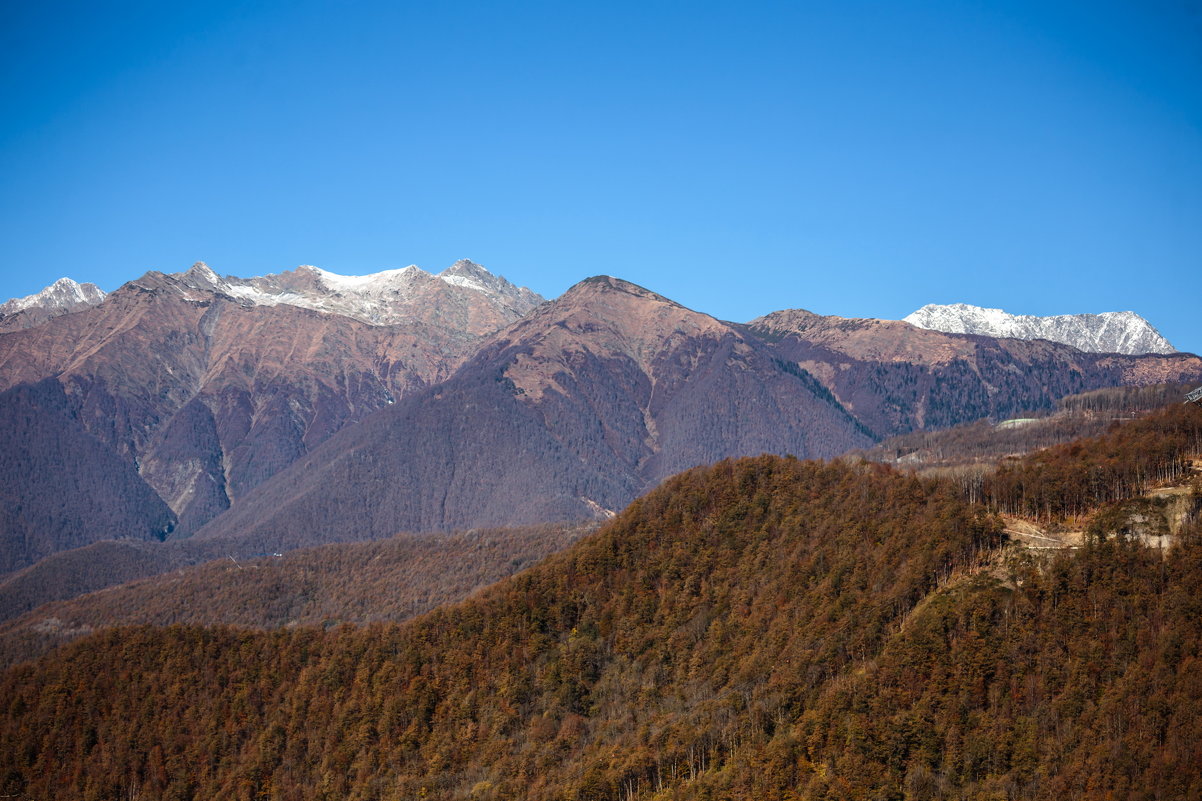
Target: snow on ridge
<point>1107,332</point>
<point>260,298</point>
<point>63,295</point>
<point>345,283</point>
<point>381,298</point>
<point>463,281</point>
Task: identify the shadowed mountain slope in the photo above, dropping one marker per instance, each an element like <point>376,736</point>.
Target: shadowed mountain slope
<point>77,571</point>
<point>982,443</point>
<point>573,411</point>
<point>60,487</point>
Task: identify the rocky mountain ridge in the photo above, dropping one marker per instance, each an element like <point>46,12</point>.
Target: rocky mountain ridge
<point>62,297</point>
<point>482,301</point>
<point>1107,332</point>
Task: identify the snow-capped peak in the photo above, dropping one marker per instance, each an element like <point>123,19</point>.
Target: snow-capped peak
<point>61,297</point>
<point>384,298</point>
<point>201,276</point>
<point>468,274</point>
<point>1108,332</point>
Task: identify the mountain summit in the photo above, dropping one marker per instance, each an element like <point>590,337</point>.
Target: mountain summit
<point>1108,332</point>
<point>62,297</point>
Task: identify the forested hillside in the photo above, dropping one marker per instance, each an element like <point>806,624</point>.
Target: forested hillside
<point>761,629</point>
<point>989,440</point>
<point>728,595</point>
<point>362,582</point>
<point>1080,680</point>
<point>1076,477</point>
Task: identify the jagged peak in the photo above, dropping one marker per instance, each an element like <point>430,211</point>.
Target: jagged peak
<point>481,301</point>
<point>466,267</point>
<point>387,297</point>
<point>200,273</point>
<point>1105,332</point>
<point>63,296</point>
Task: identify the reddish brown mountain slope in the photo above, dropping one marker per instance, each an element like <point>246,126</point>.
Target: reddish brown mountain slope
<point>573,411</point>
<point>209,386</point>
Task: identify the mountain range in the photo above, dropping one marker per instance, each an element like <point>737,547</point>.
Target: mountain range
<point>306,407</point>
<point>1108,332</point>
<point>1016,621</point>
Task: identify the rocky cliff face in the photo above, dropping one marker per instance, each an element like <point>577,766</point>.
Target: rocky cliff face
<point>1108,332</point>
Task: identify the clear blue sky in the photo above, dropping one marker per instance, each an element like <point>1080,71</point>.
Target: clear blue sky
<point>853,158</point>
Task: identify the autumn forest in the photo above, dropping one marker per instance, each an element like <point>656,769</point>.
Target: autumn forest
<point>763,628</point>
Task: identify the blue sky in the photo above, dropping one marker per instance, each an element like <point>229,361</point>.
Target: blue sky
<point>852,158</point>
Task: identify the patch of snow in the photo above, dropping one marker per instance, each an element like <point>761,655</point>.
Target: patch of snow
<point>352,283</point>
<point>1016,422</point>
<point>598,510</point>
<point>459,280</point>
<point>259,297</point>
